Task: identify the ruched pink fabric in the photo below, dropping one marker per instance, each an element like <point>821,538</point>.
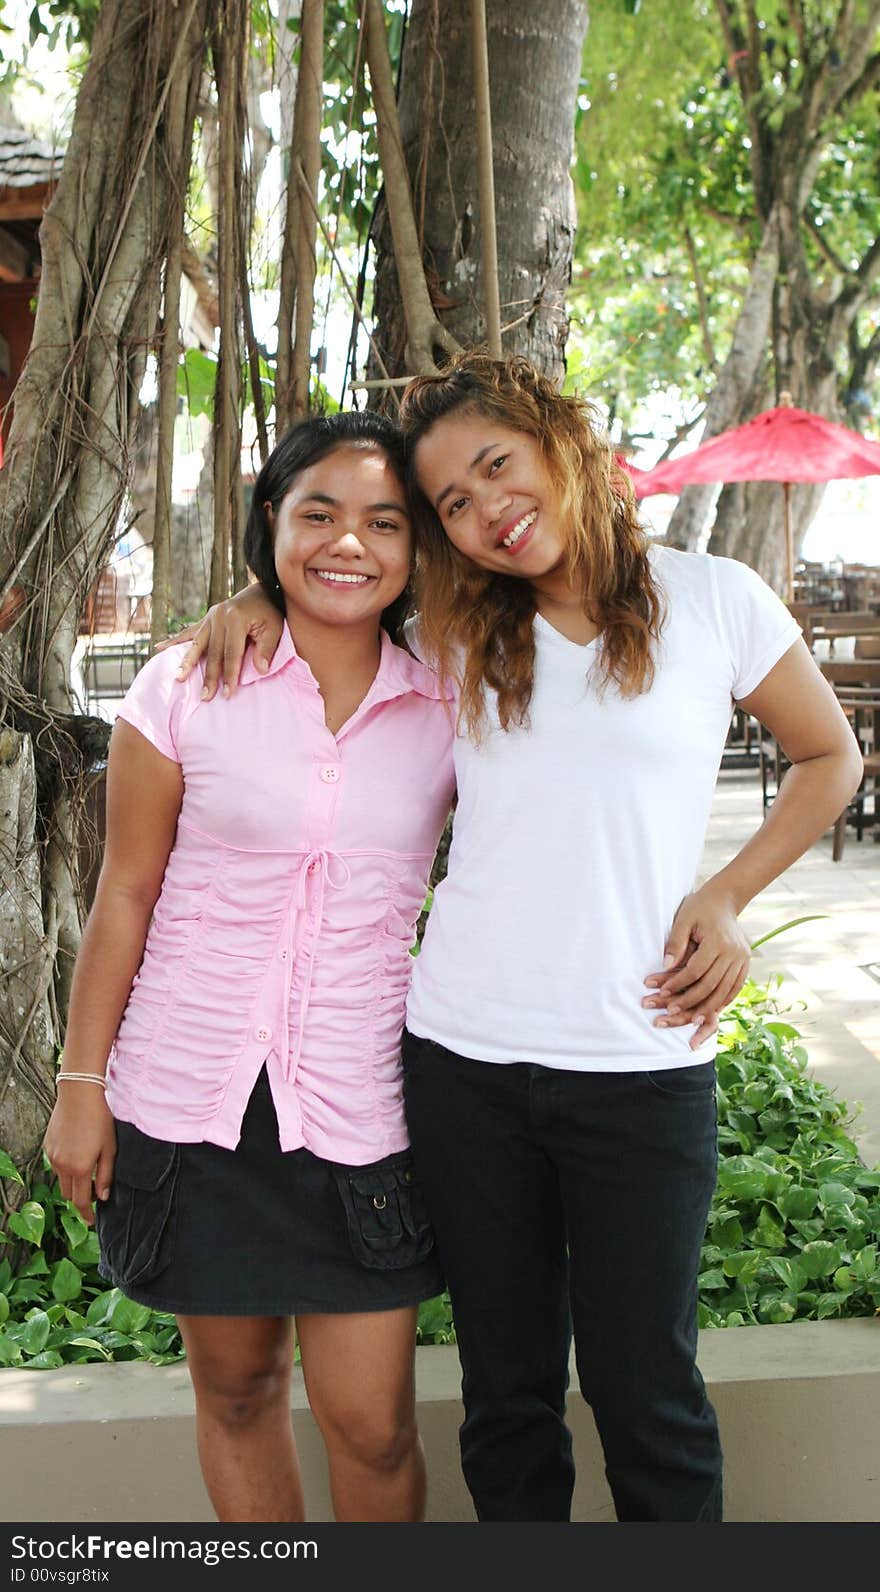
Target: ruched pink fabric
<point>282,931</point>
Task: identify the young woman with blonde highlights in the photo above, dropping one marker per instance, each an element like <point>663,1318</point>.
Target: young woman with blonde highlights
<point>562,1122</point>
<point>482,614</point>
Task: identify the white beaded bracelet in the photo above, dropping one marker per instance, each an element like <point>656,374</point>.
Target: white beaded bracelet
<point>81,1077</point>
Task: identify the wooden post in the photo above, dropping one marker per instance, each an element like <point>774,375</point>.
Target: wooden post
<point>785,402</point>
<point>789,541</point>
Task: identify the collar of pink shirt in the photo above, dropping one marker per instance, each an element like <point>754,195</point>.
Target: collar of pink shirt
<point>398,671</point>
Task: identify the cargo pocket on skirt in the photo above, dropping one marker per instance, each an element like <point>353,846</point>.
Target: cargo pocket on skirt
<point>385,1210</point>
<point>136,1225</point>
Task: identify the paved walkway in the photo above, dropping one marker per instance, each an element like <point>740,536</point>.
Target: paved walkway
<point>833,964</point>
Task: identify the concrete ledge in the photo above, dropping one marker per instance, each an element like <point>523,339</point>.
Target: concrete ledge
<point>798,1405</point>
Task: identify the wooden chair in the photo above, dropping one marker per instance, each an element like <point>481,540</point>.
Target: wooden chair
<point>845,675</point>
<point>861,704</point>
<point>861,584</point>
<point>844,627</point>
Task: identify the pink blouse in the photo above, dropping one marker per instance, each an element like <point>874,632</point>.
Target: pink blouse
<point>283,927</point>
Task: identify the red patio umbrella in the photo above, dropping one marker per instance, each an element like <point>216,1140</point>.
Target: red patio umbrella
<point>783,444</point>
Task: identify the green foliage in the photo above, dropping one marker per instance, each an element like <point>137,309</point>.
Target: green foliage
<point>794,1228</point>
<point>435,1321</point>
<point>196,378</point>
<point>54,1307</point>
<point>668,218</point>
<point>70,22</point>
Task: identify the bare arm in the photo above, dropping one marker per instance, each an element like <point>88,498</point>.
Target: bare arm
<point>144,791</point>
<point>224,634</point>
<point>798,707</point>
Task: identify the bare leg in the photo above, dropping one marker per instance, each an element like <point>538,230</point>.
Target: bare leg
<point>240,1369</point>
<point>359,1373</point>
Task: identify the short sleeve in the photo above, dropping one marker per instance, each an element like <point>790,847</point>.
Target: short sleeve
<point>158,704</point>
<point>756,625</point>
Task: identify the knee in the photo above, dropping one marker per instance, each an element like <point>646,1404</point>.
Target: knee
<point>378,1443</point>
<point>244,1394</point>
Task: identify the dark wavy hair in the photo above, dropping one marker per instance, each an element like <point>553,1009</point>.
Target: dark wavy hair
<point>308,443</point>
<point>486,618</point>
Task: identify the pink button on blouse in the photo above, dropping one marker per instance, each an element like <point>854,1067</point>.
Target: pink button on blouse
<point>282,931</point>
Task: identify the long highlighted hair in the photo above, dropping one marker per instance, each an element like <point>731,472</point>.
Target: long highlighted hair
<point>479,624</point>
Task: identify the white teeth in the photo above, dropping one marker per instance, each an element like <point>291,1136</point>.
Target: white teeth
<point>520,529</point>
<point>340,579</point>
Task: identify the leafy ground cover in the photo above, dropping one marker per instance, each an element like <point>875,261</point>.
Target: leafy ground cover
<point>793,1232</point>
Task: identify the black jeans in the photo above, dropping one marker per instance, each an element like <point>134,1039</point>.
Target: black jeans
<point>572,1202</point>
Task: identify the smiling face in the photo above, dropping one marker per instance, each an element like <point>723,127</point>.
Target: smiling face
<point>342,539</point>
<point>493,495</point>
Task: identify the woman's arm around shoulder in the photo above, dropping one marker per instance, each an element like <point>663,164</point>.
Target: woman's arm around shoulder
<point>249,617</point>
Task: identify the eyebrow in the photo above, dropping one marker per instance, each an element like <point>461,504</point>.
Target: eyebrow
<point>477,459</point>
<point>333,503</point>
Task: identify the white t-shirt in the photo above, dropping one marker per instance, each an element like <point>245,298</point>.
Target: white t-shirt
<point>575,840</point>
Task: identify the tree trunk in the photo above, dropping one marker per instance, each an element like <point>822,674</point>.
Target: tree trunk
<point>739,389</point>
<point>813,324</point>
<point>534,59</point>
<point>103,240</point>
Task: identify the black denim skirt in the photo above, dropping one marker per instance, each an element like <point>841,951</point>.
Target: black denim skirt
<point>256,1231</point>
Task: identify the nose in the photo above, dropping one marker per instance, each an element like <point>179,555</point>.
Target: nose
<point>492,503</point>
<point>347,543</point>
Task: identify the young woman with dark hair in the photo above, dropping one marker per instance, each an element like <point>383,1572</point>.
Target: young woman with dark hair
<point>245,968</point>
<point>562,1120</point>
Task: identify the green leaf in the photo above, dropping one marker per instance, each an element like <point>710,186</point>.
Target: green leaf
<point>744,1265</point>
<point>797,1202</point>
<point>757,1095</point>
<point>779,1309</point>
<point>75,1228</point>
<point>820,1259</point>
<point>743,1177</point>
<point>710,1280</point>
<point>196,380</point>
<point>4,1308</point>
<point>829,1305</point>
<point>28,1223</point>
<point>768,1232</point>
<point>9,1169</point>
<point>789,1271</point>
<point>87,1253</point>
<point>832,1194</point>
<point>36,1265</point>
<point>10,1351</point>
<point>26,1291</point>
<point>47,1360</point>
<point>93,1344</point>
<point>36,1333</point>
<point>865,1262</point>
<point>128,1317</point>
<point>102,1306</point>
<point>809,1230</point>
<point>67,1281</point>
